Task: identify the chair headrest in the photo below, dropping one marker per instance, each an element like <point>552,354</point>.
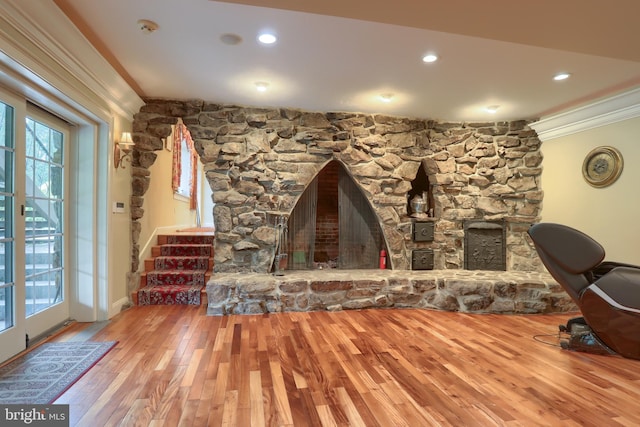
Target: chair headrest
<point>573,250</point>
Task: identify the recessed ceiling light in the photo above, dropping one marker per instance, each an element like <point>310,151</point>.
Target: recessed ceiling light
<point>147,26</point>
<point>430,58</point>
<point>261,86</point>
<point>267,38</point>
<point>492,109</point>
<point>231,39</point>
<point>561,76</point>
<point>386,97</point>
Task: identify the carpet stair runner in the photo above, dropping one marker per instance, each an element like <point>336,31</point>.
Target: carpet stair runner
<point>178,272</point>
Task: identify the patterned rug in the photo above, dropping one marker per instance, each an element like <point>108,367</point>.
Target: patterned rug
<point>185,249</point>
<point>181,263</point>
<point>170,295</point>
<point>43,374</point>
<point>179,272</point>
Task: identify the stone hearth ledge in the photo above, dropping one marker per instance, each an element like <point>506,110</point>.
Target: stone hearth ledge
<point>469,291</point>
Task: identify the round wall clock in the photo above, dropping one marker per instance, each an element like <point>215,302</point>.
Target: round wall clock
<point>602,166</point>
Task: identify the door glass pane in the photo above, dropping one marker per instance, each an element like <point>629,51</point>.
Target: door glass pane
<point>44,208</point>
<point>7,195</point>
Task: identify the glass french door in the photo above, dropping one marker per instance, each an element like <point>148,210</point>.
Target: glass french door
<point>34,286</point>
<point>46,284</point>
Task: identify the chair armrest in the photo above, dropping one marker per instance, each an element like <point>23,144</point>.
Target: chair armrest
<point>606,266</point>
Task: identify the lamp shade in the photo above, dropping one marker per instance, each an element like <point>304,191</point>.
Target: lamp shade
<point>125,138</point>
<point>126,142</point>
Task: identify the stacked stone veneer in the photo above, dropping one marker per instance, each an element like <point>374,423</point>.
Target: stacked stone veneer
<point>452,290</point>
<point>258,161</point>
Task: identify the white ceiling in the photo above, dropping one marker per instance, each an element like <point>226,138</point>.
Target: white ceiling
<point>340,55</point>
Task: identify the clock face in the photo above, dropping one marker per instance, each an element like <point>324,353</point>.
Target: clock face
<point>602,166</point>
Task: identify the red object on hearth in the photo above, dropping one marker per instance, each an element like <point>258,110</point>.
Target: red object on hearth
<point>383,259</point>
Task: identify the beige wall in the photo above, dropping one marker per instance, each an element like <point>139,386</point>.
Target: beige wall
<point>611,215</point>
<point>161,209</point>
<point>120,235</point>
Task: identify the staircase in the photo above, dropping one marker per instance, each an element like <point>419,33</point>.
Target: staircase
<point>178,271</point>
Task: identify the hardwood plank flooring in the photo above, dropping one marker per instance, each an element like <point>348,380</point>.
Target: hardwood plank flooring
<point>175,366</point>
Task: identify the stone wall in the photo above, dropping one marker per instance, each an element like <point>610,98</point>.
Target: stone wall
<point>466,291</point>
<point>259,161</point>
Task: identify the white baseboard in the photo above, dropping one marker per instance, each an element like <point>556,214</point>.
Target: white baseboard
<point>116,307</point>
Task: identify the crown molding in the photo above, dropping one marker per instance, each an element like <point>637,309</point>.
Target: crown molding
<point>610,110</point>
<point>44,45</point>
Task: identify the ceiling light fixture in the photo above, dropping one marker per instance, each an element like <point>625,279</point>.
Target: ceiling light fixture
<point>261,86</point>
<point>430,58</point>
<point>561,76</point>
<point>386,97</point>
<point>267,38</point>
<point>492,109</point>
<point>147,26</point>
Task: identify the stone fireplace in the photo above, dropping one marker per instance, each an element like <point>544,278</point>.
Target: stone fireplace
<point>260,161</point>
<point>333,225</point>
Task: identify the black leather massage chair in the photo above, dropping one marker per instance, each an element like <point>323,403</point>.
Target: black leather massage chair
<point>607,293</point>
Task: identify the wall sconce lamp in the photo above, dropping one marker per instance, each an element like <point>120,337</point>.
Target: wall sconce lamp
<point>122,149</point>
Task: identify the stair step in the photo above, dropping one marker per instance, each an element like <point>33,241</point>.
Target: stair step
<point>203,239</point>
<point>178,271</point>
<point>175,277</point>
<point>153,264</point>
<point>182,263</point>
<point>182,250</point>
<point>170,295</point>
<point>145,280</point>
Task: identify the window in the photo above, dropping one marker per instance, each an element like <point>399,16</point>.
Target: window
<point>184,181</point>
<point>44,213</point>
<point>184,188</point>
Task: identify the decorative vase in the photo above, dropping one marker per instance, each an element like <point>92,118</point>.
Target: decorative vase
<point>418,207</point>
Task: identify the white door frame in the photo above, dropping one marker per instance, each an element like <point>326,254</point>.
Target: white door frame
<point>87,202</point>
<point>12,339</point>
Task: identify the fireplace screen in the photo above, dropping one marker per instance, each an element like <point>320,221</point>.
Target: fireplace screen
<point>484,245</point>
<point>333,225</point>
<point>302,229</point>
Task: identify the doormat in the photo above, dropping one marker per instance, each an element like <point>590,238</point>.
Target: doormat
<point>43,374</point>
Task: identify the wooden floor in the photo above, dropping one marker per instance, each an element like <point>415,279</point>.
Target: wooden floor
<point>176,366</point>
